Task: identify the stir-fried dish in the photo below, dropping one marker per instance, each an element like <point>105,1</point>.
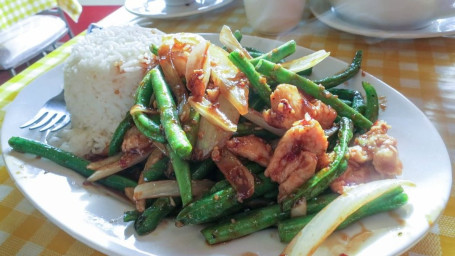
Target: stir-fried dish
<point>225,134</point>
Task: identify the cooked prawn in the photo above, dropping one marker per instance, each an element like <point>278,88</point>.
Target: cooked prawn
<point>252,148</point>
<point>373,156</point>
<point>296,155</point>
<point>135,142</point>
<point>288,105</point>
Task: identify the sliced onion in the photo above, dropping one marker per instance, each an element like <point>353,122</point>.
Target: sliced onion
<point>154,157</point>
<point>98,164</point>
<point>226,76</point>
<point>165,188</point>
<point>306,62</point>
<point>197,72</point>
<point>326,221</point>
<point>127,160</point>
<point>213,114</point>
<point>210,135</point>
<point>228,39</point>
<point>256,118</point>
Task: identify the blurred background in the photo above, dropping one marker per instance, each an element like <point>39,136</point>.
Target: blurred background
<point>92,10</point>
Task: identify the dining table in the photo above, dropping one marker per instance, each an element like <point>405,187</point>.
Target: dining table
<point>422,69</point>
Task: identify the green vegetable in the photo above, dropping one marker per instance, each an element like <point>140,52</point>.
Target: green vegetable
<point>152,216</point>
<point>175,135</point>
<point>68,160</point>
<point>202,169</point>
<point>322,179</point>
<point>148,126</point>
<point>283,75</point>
<point>245,224</point>
<point>287,229</point>
<point>277,54</point>
<point>316,204</point>
<point>131,215</point>
<point>161,207</point>
<point>117,138</point>
<point>182,175</point>
<point>258,82</point>
<point>347,74</point>
<point>372,106</point>
<point>212,206</point>
<point>156,171</point>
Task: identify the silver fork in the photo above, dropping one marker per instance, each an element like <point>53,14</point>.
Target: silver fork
<point>53,115</point>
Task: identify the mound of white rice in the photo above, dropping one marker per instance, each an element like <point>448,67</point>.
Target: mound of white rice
<point>100,79</point>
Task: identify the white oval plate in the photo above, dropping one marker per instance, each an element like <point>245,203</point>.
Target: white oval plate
<point>157,8</point>
<point>323,10</point>
<point>92,214</point>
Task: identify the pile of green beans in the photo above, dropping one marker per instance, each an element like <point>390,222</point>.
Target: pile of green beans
<point>226,216</point>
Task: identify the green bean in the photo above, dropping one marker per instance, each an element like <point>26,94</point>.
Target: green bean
<point>68,160</point>
<point>372,105</point>
<point>182,175</point>
<point>342,93</point>
<point>358,103</point>
<point>238,35</point>
<point>191,126</point>
<point>161,207</point>
<point>154,49</point>
<point>156,171</point>
<point>347,102</point>
<point>145,124</point>
<point>245,224</point>
<point>117,138</point>
<point>212,206</point>
<point>283,75</point>
<point>175,135</point>
<point>258,82</point>
<point>347,74</point>
<point>152,216</point>
<point>305,72</point>
<point>277,54</point>
<point>317,203</point>
<point>322,179</point>
<point>220,185</point>
<point>202,169</point>
<point>287,229</point>
<point>254,52</point>
<point>131,215</point>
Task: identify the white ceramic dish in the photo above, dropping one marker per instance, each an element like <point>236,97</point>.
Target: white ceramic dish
<point>92,214</point>
<point>323,10</point>
<point>157,8</point>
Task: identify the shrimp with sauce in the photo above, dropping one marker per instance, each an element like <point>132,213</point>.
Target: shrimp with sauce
<point>251,147</point>
<point>296,155</point>
<point>373,156</point>
<point>288,105</point>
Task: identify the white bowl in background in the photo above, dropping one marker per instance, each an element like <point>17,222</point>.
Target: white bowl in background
<point>393,14</point>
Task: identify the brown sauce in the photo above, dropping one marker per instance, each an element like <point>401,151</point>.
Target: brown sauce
<point>345,244</point>
<point>397,218</point>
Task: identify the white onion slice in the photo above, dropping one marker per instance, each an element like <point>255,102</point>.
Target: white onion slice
<point>98,164</point>
<point>306,62</point>
<point>165,188</point>
<point>326,221</point>
<point>117,166</point>
<point>212,113</point>
<point>257,119</point>
<point>228,39</point>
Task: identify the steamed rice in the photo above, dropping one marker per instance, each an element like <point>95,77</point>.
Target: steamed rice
<point>100,79</point>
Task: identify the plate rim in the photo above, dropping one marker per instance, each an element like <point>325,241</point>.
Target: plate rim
<point>247,37</point>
